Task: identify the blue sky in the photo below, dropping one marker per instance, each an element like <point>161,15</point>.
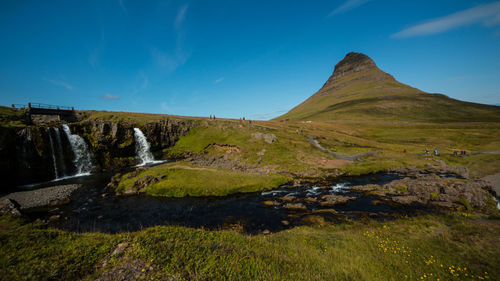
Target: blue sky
<point>237,58</point>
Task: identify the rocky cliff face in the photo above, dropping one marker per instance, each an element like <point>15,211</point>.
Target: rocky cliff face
<point>113,143</point>
<point>26,155</point>
<point>352,64</point>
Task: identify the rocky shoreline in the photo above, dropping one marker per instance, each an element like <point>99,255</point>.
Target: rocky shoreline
<point>16,202</point>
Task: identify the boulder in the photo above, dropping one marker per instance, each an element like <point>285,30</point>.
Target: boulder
<point>285,222</point>
<point>406,200</point>
<point>269,138</point>
<point>310,200</point>
<point>270,203</point>
<point>9,206</point>
<point>287,198</point>
<point>331,200</point>
<point>325,211</point>
<point>296,207</point>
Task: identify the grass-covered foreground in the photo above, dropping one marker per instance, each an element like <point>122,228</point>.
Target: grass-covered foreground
<point>445,247</point>
<point>181,179</point>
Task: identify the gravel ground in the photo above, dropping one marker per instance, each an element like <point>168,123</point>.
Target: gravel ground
<point>54,195</point>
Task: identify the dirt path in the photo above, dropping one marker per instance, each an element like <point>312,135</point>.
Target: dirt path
<point>356,157</point>
<point>192,168</point>
<point>495,152</point>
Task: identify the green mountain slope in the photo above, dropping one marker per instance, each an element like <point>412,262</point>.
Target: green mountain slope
<point>359,91</point>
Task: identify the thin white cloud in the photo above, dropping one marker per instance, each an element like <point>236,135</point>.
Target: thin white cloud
<point>122,5</point>
<point>142,83</point>
<point>219,80</point>
<point>170,61</point>
<point>95,53</point>
<point>181,15</point>
<point>347,6</point>
<point>110,97</point>
<point>487,14</point>
<point>59,83</point>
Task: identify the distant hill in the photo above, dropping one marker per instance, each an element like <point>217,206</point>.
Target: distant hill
<point>359,91</point>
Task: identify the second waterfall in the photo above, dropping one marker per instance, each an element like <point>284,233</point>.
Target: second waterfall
<point>142,148</point>
<point>83,158</point>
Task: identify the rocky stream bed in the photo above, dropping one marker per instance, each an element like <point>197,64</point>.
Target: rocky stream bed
<point>85,204</point>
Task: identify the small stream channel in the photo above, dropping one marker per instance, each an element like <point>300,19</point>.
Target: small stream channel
<point>95,208</point>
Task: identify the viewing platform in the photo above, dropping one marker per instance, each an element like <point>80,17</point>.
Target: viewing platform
<point>42,113</point>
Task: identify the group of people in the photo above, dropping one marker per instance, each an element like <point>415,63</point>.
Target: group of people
<point>212,117</point>
<point>462,152</point>
<point>436,152</point>
<point>243,119</point>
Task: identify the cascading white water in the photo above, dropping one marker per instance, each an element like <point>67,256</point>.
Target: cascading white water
<point>83,158</point>
<point>142,148</point>
<point>60,156</point>
<point>53,153</point>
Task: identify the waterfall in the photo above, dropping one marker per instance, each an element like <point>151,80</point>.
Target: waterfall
<point>60,156</point>
<point>83,159</point>
<point>53,153</point>
<point>142,147</point>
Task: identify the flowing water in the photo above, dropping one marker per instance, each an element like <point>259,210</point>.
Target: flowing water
<point>83,158</point>
<point>60,155</point>
<point>142,147</point>
<point>96,208</point>
<point>56,173</point>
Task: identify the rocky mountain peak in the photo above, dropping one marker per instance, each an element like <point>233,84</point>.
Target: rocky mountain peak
<point>353,62</point>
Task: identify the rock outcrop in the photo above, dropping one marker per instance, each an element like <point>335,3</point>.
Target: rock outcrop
<point>9,207</point>
<point>432,190</point>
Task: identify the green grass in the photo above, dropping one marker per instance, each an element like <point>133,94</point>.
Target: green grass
<point>29,252</point>
<point>179,182</point>
<point>12,118</point>
<point>291,152</point>
<point>446,246</point>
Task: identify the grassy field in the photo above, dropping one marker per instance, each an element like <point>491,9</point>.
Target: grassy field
<point>446,247</point>
<point>292,156</point>
<point>292,152</point>
<point>181,179</point>
<point>11,118</point>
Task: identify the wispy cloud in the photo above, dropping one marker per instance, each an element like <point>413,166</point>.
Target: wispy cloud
<point>347,6</point>
<point>141,84</point>
<point>487,14</point>
<point>95,53</point>
<point>110,97</point>
<point>122,5</point>
<point>169,61</point>
<point>59,83</point>
<point>181,16</point>
<point>177,57</point>
<point>219,80</point>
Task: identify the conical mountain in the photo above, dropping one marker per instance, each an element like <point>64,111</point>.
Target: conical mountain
<point>359,91</point>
